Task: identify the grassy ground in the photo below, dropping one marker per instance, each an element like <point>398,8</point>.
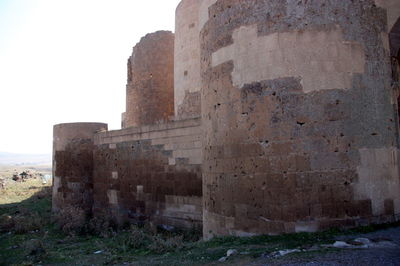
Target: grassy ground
<point>29,237</point>
<point>6,171</point>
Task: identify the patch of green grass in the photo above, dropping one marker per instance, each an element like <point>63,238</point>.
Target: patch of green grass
<point>139,246</point>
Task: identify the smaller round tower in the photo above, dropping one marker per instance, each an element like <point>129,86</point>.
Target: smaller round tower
<point>73,164</point>
<point>150,88</point>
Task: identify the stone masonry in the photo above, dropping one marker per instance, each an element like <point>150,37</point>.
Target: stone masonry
<point>150,88</point>
<point>255,117</point>
<point>73,165</point>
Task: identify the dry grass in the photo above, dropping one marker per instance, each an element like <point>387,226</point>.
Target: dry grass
<point>71,220</point>
<point>15,192</point>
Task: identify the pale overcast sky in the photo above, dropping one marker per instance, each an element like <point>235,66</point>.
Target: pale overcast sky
<point>65,61</point>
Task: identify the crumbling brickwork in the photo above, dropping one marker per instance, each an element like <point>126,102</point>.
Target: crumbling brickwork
<point>300,132</point>
<point>73,165</point>
<point>299,125</point>
<point>150,174</point>
<point>150,88</point>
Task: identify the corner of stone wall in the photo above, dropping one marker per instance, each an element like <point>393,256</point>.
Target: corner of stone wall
<point>73,146</point>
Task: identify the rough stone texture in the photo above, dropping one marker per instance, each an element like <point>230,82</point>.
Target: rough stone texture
<point>299,127</point>
<point>190,18</point>
<point>150,88</point>
<point>187,59</point>
<point>204,13</point>
<point>392,7</point>
<point>274,56</point>
<point>73,164</point>
<point>151,173</point>
<point>283,151</point>
<point>123,120</point>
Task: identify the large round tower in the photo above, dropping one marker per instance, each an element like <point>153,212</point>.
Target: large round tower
<point>150,88</point>
<point>187,59</point>
<point>301,133</point>
<point>189,19</point>
<point>73,164</point>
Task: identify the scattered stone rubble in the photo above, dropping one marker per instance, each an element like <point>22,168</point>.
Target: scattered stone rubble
<point>229,253</point>
<point>357,243</point>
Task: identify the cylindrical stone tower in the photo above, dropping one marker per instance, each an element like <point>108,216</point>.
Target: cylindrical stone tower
<point>150,88</point>
<point>189,19</point>
<point>297,110</point>
<point>187,59</point>
<point>73,164</point>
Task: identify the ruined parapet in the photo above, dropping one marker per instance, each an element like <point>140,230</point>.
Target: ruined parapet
<point>73,164</point>
<point>150,88</point>
<point>300,130</point>
<point>190,18</point>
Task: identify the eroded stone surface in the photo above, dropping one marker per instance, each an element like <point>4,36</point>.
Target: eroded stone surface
<point>293,54</point>
<point>299,129</point>
<point>73,165</point>
<point>187,59</point>
<point>379,180</point>
<point>285,143</point>
<point>150,174</point>
<point>150,88</point>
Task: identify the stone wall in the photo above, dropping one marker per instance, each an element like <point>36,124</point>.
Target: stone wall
<point>392,8</point>
<point>123,120</point>
<point>150,88</point>
<point>150,173</point>
<point>301,131</point>
<point>73,165</point>
<point>299,126</point>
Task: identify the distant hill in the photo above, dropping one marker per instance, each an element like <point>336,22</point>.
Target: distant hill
<point>24,159</point>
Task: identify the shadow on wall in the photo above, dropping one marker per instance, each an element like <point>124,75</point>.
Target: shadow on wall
<point>394,38</point>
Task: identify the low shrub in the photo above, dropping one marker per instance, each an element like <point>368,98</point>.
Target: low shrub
<point>138,238</point>
<point>21,223</point>
<point>71,220</point>
<point>101,225</point>
<point>160,245</point>
<point>26,223</point>
<point>6,223</point>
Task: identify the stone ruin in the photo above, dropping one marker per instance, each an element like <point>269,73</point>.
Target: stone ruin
<point>255,117</point>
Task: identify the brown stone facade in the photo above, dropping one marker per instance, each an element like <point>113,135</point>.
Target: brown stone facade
<point>150,174</point>
<point>286,120</point>
<point>150,88</point>
<point>300,132</point>
<point>73,165</point>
